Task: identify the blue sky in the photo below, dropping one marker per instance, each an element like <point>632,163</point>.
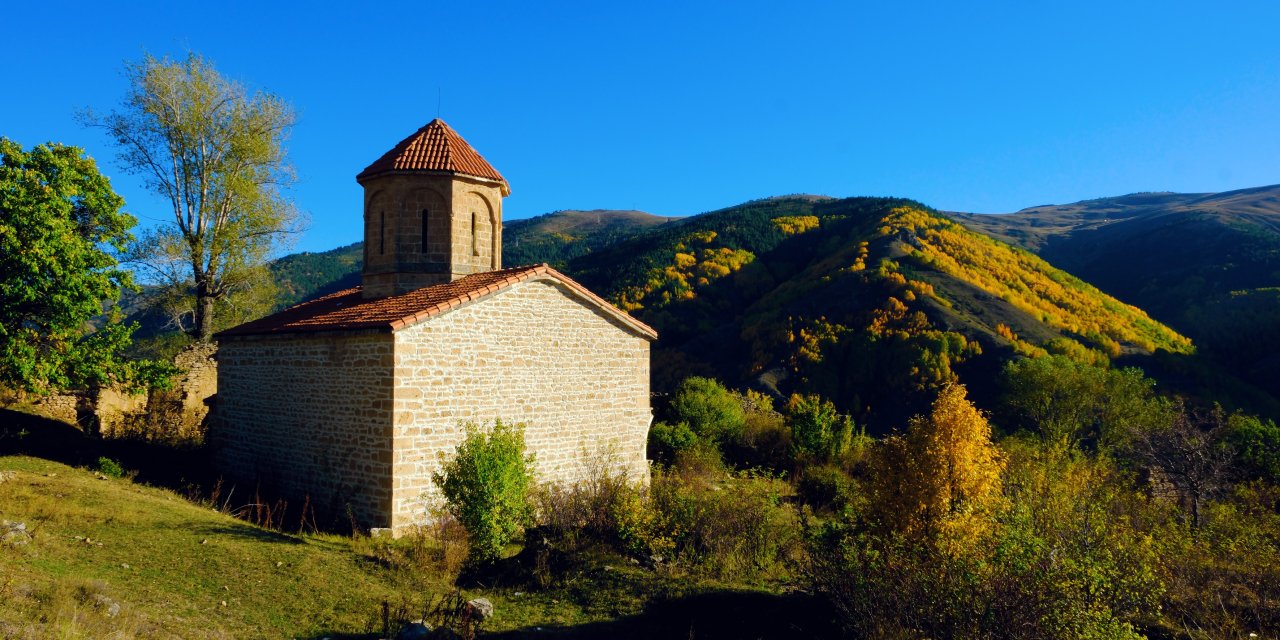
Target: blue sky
<point>679,108</point>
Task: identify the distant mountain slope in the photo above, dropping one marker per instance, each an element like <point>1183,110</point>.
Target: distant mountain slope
<point>1206,264</point>
<point>560,236</point>
<point>871,302</point>
<point>306,275</point>
<point>553,238</point>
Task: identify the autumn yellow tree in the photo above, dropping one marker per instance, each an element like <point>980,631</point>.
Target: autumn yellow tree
<point>942,478</point>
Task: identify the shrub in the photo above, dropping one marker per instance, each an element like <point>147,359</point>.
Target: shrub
<point>741,527</point>
<point>486,487</point>
<point>110,468</point>
<point>710,410</point>
<point>1065,559</point>
<point>586,510</point>
<point>666,440</point>
<point>701,461</point>
<point>943,475</point>
<point>765,443</point>
<point>825,487</point>
<point>1257,447</point>
<point>817,431</point>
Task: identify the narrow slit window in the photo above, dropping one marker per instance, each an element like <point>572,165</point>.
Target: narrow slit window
<point>426,217</point>
<point>475,242</point>
<point>382,232</point>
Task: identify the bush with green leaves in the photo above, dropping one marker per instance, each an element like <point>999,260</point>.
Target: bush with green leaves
<point>667,440</point>
<point>486,486</point>
<point>739,526</point>
<point>110,468</point>
<point>711,411</point>
<point>817,431</point>
<point>1073,403</point>
<point>1067,556</point>
<point>1257,447</point>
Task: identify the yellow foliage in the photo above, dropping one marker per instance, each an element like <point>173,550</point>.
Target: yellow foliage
<point>860,262</point>
<point>810,337</point>
<point>690,269</point>
<point>1030,284</point>
<point>1005,332</point>
<point>941,480</point>
<point>792,225</point>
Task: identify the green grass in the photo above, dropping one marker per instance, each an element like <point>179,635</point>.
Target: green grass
<point>176,568</point>
<point>180,569</point>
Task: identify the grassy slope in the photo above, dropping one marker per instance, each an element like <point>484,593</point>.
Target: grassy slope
<point>184,560</point>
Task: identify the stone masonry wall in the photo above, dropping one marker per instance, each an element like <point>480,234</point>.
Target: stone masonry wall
<point>308,414</point>
<point>463,236</point>
<point>533,353</point>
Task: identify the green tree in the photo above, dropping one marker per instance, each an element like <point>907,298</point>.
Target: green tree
<point>710,410</point>
<point>817,430</point>
<point>216,153</point>
<point>1256,443</point>
<point>486,486</point>
<point>1070,402</point>
<point>60,229</point>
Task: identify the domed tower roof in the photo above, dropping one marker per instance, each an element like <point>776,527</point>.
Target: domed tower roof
<point>435,147</point>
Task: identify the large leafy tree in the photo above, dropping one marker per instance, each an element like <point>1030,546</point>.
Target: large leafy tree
<point>216,153</point>
<point>60,228</point>
<point>942,477</point>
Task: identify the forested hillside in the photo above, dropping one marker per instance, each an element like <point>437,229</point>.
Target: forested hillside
<point>871,302</point>
<point>868,298</point>
<point>1205,264</point>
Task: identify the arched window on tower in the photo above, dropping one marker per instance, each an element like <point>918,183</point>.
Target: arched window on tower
<point>426,218</point>
<point>475,242</point>
<point>382,233</point>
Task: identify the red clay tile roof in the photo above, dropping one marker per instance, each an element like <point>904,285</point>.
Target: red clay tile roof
<point>346,310</point>
<point>435,147</point>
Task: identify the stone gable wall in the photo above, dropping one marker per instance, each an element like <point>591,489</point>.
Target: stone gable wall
<point>533,353</point>
<point>308,415</point>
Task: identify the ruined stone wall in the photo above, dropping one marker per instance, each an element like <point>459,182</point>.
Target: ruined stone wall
<point>197,383</point>
<point>115,412</point>
<point>533,353</point>
<point>308,415</point>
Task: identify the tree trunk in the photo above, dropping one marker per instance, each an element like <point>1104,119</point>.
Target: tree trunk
<point>204,314</point>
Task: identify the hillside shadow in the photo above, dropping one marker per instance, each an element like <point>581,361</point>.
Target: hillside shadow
<point>716,615</point>
<point>41,437</point>
<point>180,468</point>
<point>250,533</point>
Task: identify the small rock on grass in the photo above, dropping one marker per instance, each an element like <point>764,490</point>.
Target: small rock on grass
<point>14,533</point>
<point>480,608</point>
<point>106,605</point>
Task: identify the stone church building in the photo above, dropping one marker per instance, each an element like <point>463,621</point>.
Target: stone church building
<point>350,398</point>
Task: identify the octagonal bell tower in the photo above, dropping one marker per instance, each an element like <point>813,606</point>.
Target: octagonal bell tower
<point>432,213</point>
